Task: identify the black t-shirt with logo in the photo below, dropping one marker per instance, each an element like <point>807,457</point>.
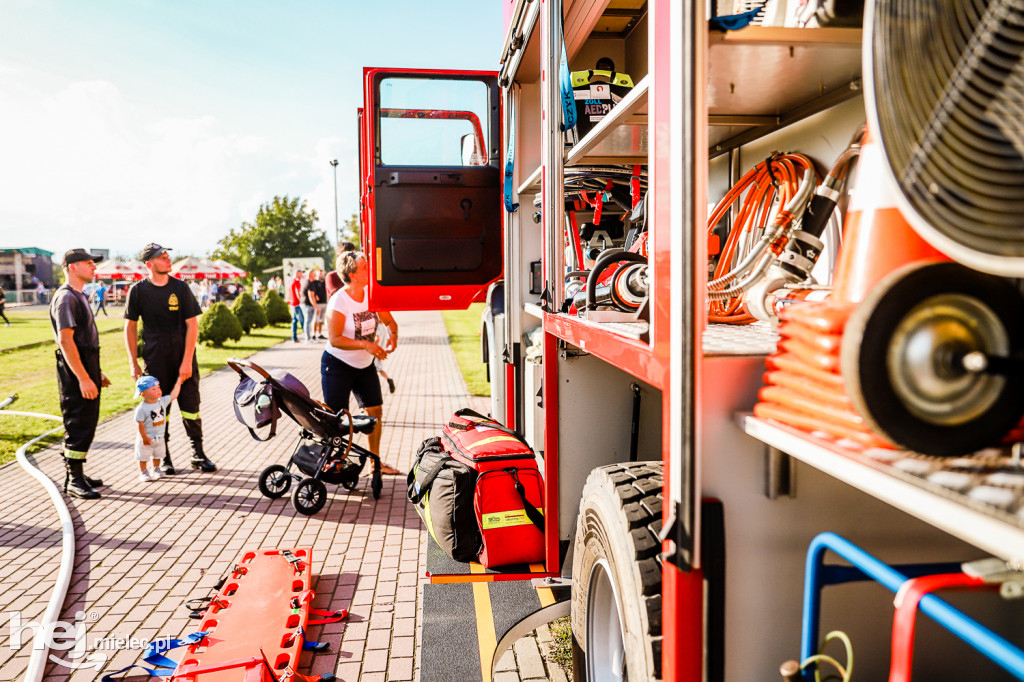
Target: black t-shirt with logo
<point>319,288</point>
<point>163,310</point>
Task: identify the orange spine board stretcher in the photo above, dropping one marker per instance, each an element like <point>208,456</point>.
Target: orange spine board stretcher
<point>256,622</point>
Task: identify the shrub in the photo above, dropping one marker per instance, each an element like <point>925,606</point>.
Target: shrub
<point>218,324</point>
<point>275,308</point>
<point>249,313</point>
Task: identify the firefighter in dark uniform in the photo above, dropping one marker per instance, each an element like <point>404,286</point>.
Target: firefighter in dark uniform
<point>170,328</point>
<point>79,379</point>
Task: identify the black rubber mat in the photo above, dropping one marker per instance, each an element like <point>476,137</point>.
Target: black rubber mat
<point>450,646</point>
<point>451,643</point>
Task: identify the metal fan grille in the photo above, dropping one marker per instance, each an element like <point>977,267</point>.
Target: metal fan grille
<point>949,99</point>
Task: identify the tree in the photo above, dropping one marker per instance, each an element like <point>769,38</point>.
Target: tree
<point>275,308</point>
<point>284,228</point>
<point>351,230</point>
<point>249,313</point>
<point>218,324</point>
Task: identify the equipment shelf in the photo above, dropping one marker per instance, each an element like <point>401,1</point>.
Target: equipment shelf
<point>763,78</point>
<point>621,136</point>
<point>759,79</point>
<point>622,344</point>
<point>532,183</point>
<point>883,474</point>
<point>756,339</point>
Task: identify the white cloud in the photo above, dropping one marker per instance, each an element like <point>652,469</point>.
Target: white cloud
<point>82,165</point>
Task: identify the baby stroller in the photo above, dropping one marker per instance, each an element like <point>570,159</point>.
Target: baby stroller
<point>325,448</point>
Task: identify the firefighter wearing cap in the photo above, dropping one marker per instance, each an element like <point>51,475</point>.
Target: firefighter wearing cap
<point>170,329</point>
<point>79,379</point>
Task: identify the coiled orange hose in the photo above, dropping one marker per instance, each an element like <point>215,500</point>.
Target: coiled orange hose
<point>768,185</point>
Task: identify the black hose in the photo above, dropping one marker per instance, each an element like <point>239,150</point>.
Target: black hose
<point>609,256</point>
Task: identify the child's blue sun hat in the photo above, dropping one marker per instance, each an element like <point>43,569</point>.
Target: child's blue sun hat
<point>145,381</point>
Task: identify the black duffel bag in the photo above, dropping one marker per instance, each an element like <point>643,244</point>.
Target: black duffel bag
<point>441,488</point>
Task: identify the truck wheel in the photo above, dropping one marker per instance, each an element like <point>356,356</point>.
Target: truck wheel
<point>616,574</point>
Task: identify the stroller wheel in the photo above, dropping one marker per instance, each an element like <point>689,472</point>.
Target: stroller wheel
<point>309,497</point>
<point>275,481</point>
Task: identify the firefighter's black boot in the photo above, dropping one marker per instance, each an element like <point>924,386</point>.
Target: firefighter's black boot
<point>74,482</point>
<point>93,482</point>
<point>166,465</point>
<point>194,431</point>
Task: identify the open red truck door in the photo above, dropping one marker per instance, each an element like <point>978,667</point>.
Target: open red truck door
<point>431,186</point>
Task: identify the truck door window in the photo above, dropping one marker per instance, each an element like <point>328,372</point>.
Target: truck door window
<point>432,122</point>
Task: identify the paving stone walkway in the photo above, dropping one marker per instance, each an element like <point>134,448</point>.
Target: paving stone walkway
<point>144,548</point>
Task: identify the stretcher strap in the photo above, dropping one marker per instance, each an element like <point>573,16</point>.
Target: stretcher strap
<point>154,656</point>
<point>330,616</point>
<point>907,598</point>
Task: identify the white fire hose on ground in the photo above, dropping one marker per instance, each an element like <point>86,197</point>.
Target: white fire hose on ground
<point>37,661</point>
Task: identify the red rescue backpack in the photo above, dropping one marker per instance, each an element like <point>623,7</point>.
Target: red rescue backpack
<point>500,469</point>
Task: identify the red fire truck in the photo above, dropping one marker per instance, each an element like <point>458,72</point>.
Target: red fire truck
<point>760,350</point>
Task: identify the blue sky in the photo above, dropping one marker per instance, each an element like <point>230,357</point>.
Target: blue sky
<point>129,121</point>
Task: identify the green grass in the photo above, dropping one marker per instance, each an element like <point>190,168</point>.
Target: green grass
<point>561,644</point>
<point>31,373</point>
<point>464,335</point>
<point>32,325</point>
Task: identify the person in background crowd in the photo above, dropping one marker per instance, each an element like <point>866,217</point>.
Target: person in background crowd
<point>333,279</point>
<point>295,301</point>
<point>41,292</point>
<point>3,302</point>
<point>170,329</point>
<point>318,298</point>
<point>199,291</point>
<point>346,366</point>
<point>99,295</point>
<point>308,307</point>
<point>257,288</point>
<point>79,379</point>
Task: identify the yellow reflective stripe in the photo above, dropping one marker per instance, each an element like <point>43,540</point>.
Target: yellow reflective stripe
<point>488,441</point>
<point>189,415</point>
<point>506,519</point>
<point>74,454</point>
<point>487,639</point>
<point>427,517</point>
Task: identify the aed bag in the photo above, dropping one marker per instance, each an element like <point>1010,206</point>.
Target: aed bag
<point>596,92</point>
<point>479,492</point>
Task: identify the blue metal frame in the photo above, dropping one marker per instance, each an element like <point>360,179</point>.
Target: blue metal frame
<point>867,567</point>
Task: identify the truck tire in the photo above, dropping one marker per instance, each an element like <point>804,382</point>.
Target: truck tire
<point>616,574</point>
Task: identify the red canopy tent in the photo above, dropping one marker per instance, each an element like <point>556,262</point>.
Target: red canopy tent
<point>196,268</point>
<point>230,269</point>
<point>114,269</point>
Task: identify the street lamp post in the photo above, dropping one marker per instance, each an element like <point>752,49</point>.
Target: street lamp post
<point>337,230</point>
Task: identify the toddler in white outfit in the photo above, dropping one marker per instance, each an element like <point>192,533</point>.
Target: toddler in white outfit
<point>151,416</point>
